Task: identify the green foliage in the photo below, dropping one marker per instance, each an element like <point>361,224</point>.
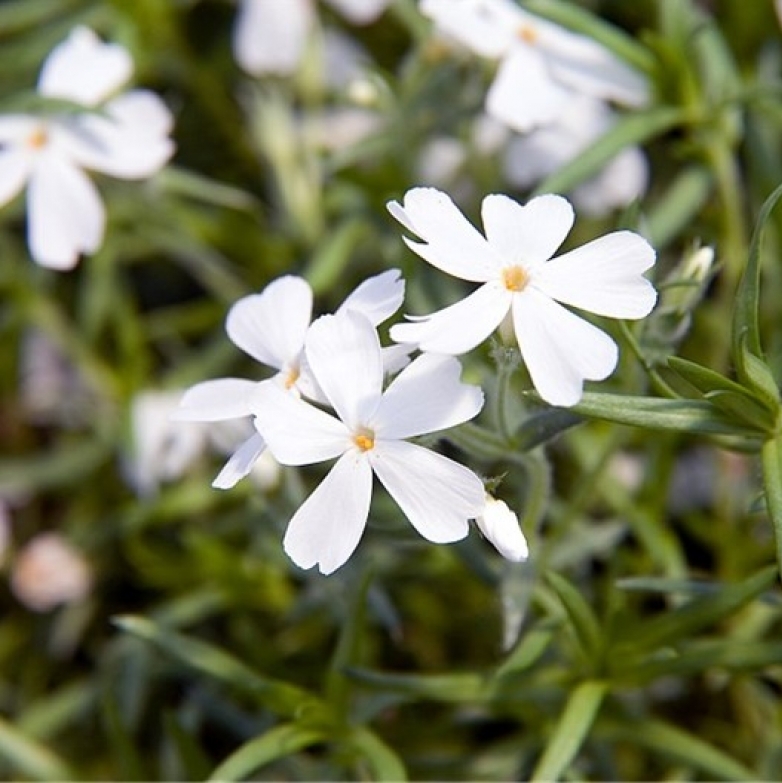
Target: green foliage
<point>640,641</point>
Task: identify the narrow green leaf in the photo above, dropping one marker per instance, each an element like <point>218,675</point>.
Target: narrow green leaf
<point>745,310</point>
<point>674,211</point>
<point>26,757</point>
<point>478,441</point>
<point>744,409</point>
<point>571,731</point>
<point>674,743</point>
<point>690,416</point>
<point>383,761</point>
<point>539,428</point>
<point>455,688</point>
<point>278,696</point>
<point>758,377</point>
<point>771,459</point>
<point>585,624</point>
<point>635,128</point>
<point>703,378</point>
<point>329,262</point>
<point>673,626</point>
<point>526,652</point>
<point>187,183</point>
<point>274,744</point>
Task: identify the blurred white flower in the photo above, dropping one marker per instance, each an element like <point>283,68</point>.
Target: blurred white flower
<point>437,495</point>
<point>48,571</point>
<point>501,527</point>
<point>270,35</point>
<point>542,66</point>
<point>163,449</point>
<point>271,328</point>
<point>514,264</point>
<point>533,156</point>
<point>125,136</point>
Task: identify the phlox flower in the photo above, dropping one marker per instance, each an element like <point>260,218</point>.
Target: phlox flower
<point>270,35</point>
<point>542,66</point>
<point>518,276</point>
<point>369,435</point>
<point>500,525</point>
<point>532,156</point>
<point>125,136</point>
<point>271,328</point>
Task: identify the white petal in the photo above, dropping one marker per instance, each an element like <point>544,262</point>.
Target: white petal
<point>241,462</point>
<point>129,141</point>
<point>435,493</point>
<point>426,396</point>
<point>378,297</point>
<point>477,25</point>
<point>523,95</point>
<point>269,35</point>
<point>14,171</point>
<point>343,352</point>
<point>360,11</point>
<point>84,69</point>
<point>590,69</point>
<point>396,358</point>
<point>460,327</point>
<point>603,276</point>
<point>271,326</point>
<point>218,400</point>
<point>501,526</point>
<point>451,242</point>
<point>18,128</point>
<point>528,234</point>
<point>326,529</point>
<point>65,215</point>
<point>560,349</point>
<point>296,432</point>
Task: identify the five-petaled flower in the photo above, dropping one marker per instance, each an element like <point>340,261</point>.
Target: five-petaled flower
<point>436,494</point>
<point>125,136</point>
<point>542,66</point>
<point>514,264</point>
<point>271,327</point>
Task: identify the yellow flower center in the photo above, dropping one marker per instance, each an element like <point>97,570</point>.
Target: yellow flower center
<point>365,440</point>
<point>292,377</point>
<point>37,138</point>
<point>527,33</point>
<point>515,278</point>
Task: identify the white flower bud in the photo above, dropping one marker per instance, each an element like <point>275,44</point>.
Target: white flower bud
<point>501,527</point>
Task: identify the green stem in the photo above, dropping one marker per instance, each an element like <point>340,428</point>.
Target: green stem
<point>658,383</point>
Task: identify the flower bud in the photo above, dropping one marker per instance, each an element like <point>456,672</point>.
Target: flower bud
<point>501,527</point>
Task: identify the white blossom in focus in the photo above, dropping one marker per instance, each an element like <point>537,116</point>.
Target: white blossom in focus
<point>518,276</point>
<point>125,136</point>
<point>531,157</point>
<point>48,571</point>
<point>501,527</point>
<point>542,66</point>
<point>436,494</point>
<point>270,35</point>
<point>271,328</point>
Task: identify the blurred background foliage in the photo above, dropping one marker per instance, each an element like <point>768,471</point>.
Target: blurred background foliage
<point>642,638</point>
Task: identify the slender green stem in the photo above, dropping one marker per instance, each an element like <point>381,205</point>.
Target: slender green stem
<point>658,383</point>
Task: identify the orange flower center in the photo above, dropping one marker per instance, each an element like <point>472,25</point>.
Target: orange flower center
<point>365,440</point>
<point>527,33</point>
<point>292,377</point>
<point>38,138</point>
<point>515,278</point>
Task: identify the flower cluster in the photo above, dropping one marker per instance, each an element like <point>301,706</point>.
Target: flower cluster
<point>125,136</point>
<point>337,363</point>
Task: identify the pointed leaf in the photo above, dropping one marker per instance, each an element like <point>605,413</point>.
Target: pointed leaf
<point>585,624</point>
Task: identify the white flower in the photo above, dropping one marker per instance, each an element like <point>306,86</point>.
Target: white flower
<point>535,155</point>
<point>542,65</point>
<point>437,495</point>
<point>270,35</point>
<point>271,328</point>
<point>501,527</point>
<point>514,264</point>
<point>48,571</point>
<point>126,137</point>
